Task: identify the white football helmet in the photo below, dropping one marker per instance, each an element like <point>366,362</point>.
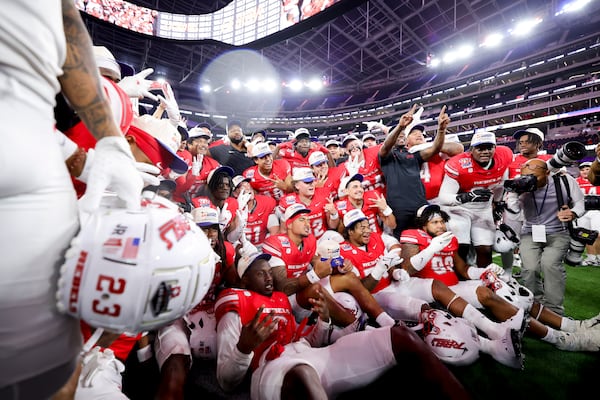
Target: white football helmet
<point>505,239</point>
<point>348,301</point>
<point>511,290</point>
<point>454,340</point>
<point>135,270</point>
<point>203,334</point>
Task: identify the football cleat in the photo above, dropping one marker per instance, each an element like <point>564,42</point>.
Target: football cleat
<point>579,341</point>
<point>590,323</point>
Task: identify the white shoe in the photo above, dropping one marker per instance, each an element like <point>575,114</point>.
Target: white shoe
<point>507,350</point>
<point>590,323</point>
<point>594,262</point>
<point>579,341</point>
<point>517,261</point>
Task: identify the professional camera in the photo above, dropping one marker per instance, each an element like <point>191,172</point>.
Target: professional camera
<point>591,202</point>
<point>568,154</point>
<point>522,184</point>
<point>579,238</point>
<point>582,235</point>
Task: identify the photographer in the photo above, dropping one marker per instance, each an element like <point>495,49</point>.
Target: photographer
<point>590,220</point>
<point>545,233</point>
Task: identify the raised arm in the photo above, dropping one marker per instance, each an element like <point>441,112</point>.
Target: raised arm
<point>438,142</point>
<point>390,141</point>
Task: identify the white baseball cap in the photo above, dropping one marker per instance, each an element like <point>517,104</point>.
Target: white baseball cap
<point>535,131</point>
<point>345,181</point>
<point>316,158</point>
<point>301,132</point>
<point>239,179</point>
<point>261,149</point>
<point>349,138</point>
<point>247,259</point>
<point>328,249</point>
<point>105,59</point>
<point>368,136</point>
<point>353,216</point>
<point>205,216</point>
<point>303,174</point>
<point>295,209</point>
<point>483,138</point>
<point>332,142</point>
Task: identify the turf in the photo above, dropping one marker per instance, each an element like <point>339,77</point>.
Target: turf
<point>549,373</point>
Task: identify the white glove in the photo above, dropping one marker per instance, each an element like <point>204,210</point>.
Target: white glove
<point>415,121</point>
<point>137,86</point>
<point>400,275</point>
<point>224,217</point>
<point>379,269</point>
<point>247,247</point>
<point>495,268</point>
<point>243,199</point>
<point>419,147</point>
<point>376,125</point>
<point>438,243</point>
<point>172,109</point>
<point>476,273</point>
<point>197,164</point>
<point>353,165</point>
<point>95,362</point>
<point>149,173</point>
<point>114,169</point>
<point>420,260</point>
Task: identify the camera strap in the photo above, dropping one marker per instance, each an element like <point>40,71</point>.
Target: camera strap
<point>559,196</point>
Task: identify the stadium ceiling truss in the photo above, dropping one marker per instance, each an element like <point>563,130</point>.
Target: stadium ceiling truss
<point>378,46</point>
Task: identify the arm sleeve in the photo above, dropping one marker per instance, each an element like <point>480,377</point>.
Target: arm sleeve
<point>232,364</point>
<point>448,191</point>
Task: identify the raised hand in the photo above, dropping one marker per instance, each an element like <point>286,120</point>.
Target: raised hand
<point>197,164</point>
<point>137,86</point>
<point>256,331</point>
<point>438,243</point>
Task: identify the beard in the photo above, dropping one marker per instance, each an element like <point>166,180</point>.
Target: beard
<point>236,141</point>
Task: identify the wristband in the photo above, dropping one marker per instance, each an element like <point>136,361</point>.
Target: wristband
<point>144,354</point>
<point>334,216</point>
<point>387,211</point>
<point>312,276</point>
<point>475,272</point>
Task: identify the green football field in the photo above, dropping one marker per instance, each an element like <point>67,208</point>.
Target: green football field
<point>549,373</point>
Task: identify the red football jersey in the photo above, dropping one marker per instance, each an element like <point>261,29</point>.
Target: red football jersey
<point>432,175</point>
<point>371,170</point>
<point>318,220</point>
<point>469,174</point>
<point>441,265</point>
<point>190,183</point>
<point>297,260</point>
<point>246,303</point>
<point>332,184</point>
<point>256,228</point>
<point>587,187</point>
<point>288,152</point>
<point>208,301</point>
<point>364,261</point>
<point>264,185</point>
<point>344,205</point>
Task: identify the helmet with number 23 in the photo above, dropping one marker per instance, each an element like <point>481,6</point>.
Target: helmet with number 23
<point>132,271</point>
